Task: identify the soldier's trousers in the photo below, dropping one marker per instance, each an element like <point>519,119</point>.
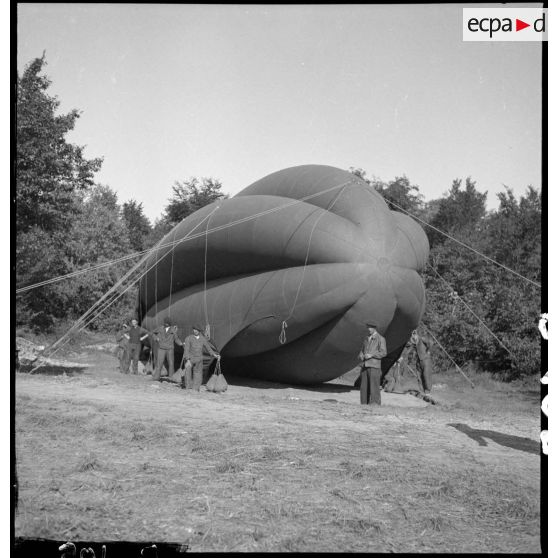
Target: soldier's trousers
<point>163,354</point>
<point>134,351</point>
<point>123,360</point>
<point>370,386</point>
<point>425,368</point>
<point>194,374</point>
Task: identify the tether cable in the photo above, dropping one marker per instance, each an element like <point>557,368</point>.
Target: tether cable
<point>173,243</point>
<point>283,334</point>
<point>102,302</point>
<point>472,312</point>
<point>147,251</point>
<point>448,355</point>
<point>207,330</point>
<point>171,274</point>
<point>488,258</point>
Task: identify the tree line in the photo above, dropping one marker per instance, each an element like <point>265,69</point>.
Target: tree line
<point>481,314</point>
<point>66,221</point>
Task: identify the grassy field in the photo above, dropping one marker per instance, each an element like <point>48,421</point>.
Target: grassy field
<point>264,467</point>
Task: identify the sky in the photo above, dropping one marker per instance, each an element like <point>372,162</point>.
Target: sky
<point>170,92</point>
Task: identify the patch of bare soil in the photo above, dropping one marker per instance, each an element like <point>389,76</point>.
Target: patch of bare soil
<point>268,467</point>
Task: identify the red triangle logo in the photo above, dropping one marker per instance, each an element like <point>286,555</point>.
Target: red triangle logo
<point>519,25</point>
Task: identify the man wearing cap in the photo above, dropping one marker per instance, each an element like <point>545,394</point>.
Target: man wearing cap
<point>166,336</point>
<point>371,354</point>
<point>194,345</point>
<point>136,334</point>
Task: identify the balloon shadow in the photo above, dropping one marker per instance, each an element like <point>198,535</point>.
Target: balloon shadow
<point>507,440</point>
<point>246,381</point>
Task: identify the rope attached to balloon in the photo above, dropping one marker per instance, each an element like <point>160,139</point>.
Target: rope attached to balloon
<point>111,296</point>
<point>156,289</point>
<point>283,334</point>
<point>144,314</point>
<point>207,329</point>
<point>172,270</point>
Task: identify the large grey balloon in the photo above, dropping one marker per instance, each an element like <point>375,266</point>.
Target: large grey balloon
<point>324,267</point>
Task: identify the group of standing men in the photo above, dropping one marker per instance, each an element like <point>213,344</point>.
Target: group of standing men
<point>164,338</point>
<point>416,352</point>
<point>373,350</point>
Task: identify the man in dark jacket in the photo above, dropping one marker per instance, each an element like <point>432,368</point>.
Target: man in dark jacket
<point>194,345</point>
<point>423,360</point>
<point>136,335</point>
<point>371,354</point>
<point>166,337</point>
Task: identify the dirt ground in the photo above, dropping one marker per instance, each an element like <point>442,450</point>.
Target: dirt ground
<point>268,467</point>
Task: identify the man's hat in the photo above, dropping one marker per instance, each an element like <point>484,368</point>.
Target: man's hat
<point>167,321</point>
<point>371,324</point>
<point>197,328</point>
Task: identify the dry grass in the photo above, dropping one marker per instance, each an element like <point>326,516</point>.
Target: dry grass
<point>124,461</point>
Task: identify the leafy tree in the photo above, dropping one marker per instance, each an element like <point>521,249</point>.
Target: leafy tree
<point>514,233</point>
<point>461,209</point>
<point>39,256</point>
<point>361,173</point>
<point>137,223</point>
<point>399,191</point>
<point>160,228</point>
<point>64,222</point>
<point>52,176</point>
<point>99,235</point>
<point>50,171</point>
<point>507,304</point>
<point>429,210</point>
<point>189,196</point>
<point>402,193</point>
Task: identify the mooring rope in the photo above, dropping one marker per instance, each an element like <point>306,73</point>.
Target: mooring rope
<point>488,258</point>
<point>101,305</point>
<point>448,355</point>
<point>472,311</point>
<point>167,244</point>
<point>283,333</point>
<point>207,329</point>
<point>172,272</point>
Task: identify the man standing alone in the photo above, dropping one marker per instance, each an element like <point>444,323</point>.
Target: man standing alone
<point>193,354</point>
<point>371,354</point>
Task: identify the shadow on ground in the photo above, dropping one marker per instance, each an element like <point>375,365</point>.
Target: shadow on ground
<point>507,440</point>
<point>263,384</point>
<point>52,370</point>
